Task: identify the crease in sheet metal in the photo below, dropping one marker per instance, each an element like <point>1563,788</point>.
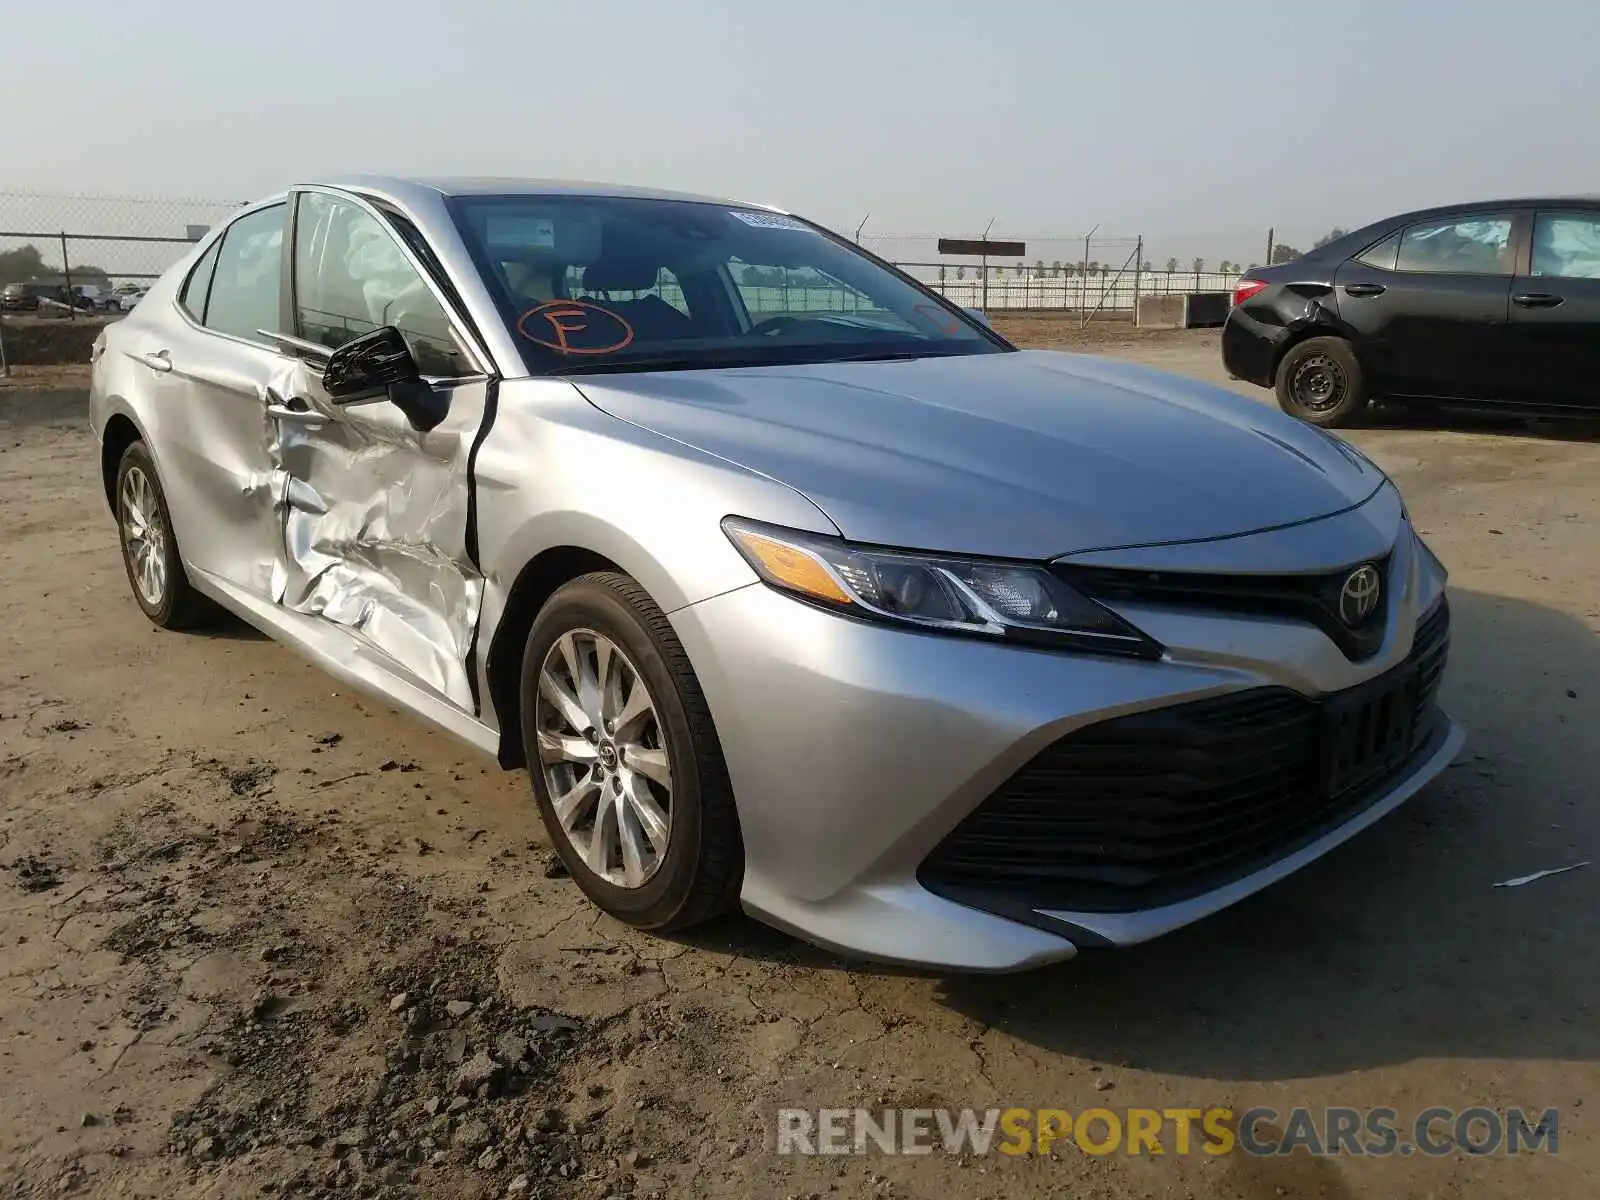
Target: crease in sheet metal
<point>374,520</point>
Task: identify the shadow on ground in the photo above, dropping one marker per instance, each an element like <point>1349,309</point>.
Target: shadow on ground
<point>1443,420</point>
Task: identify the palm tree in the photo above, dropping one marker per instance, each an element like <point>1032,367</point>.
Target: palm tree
<point>1199,265</point>
<point>1172,266</point>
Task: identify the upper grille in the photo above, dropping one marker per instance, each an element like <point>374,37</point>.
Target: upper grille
<point>1158,806</point>
<point>1312,598</point>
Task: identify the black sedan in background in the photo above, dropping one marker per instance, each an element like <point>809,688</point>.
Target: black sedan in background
<point>1491,305</point>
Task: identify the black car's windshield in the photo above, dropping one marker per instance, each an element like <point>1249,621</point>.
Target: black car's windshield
<point>600,283</point>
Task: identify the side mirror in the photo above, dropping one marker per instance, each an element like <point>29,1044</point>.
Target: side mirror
<point>379,363</point>
<point>981,317</point>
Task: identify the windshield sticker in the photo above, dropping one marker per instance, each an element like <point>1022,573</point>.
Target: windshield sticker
<point>575,327</point>
<point>766,220</point>
<point>519,233</point>
<point>944,322</point>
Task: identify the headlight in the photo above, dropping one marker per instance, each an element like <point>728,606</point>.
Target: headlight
<point>1014,601</point>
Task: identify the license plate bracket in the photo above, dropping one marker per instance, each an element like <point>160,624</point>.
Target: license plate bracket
<point>1368,731</point>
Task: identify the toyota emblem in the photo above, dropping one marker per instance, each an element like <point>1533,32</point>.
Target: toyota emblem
<point>1358,598</point>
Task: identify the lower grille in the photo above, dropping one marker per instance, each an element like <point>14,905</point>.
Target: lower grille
<point>1159,806</point>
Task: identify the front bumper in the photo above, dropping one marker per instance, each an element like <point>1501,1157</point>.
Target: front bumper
<point>855,749</point>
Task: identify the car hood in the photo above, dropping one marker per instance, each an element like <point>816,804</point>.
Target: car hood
<point>1032,454</point>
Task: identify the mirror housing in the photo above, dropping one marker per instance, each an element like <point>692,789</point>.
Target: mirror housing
<point>981,317</point>
<point>379,363</point>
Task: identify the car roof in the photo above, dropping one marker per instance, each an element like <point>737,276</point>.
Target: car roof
<point>489,185</point>
<point>1589,201</point>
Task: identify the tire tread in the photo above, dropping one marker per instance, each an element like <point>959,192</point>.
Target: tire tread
<point>1347,412</point>
<point>719,865</point>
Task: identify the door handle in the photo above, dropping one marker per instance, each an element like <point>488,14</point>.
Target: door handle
<point>1364,289</point>
<point>297,416</point>
<point>1536,300</point>
<point>160,360</point>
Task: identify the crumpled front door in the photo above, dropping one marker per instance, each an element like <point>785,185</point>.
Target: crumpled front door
<point>374,519</point>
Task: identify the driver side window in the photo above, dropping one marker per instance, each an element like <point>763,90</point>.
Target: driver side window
<point>351,277</point>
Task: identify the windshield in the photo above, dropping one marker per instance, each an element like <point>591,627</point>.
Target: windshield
<point>595,283</point>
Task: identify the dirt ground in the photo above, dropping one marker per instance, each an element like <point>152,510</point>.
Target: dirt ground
<point>260,936</point>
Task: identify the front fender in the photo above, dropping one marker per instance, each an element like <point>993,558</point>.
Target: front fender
<point>554,472</point>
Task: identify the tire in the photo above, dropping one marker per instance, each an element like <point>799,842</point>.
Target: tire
<point>585,762</point>
<point>1319,381</point>
<point>155,574</point>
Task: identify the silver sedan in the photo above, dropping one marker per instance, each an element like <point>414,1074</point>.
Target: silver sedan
<point>794,586</point>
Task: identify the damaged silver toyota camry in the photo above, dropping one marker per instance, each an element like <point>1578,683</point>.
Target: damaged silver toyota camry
<point>793,585</point>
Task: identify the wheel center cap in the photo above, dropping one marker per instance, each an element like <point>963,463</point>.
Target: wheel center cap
<point>608,756</point>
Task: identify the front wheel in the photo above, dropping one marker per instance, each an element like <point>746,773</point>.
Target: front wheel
<point>626,765</point>
<point>1319,381</point>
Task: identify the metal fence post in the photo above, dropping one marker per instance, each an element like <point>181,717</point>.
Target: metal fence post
<point>66,273</point>
<point>1083,274</point>
<point>5,366</point>
<point>1138,274</point>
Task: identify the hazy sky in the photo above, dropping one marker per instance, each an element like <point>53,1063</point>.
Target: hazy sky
<point>1198,124</point>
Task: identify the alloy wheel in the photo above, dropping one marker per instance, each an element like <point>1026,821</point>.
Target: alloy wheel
<point>603,758</point>
<point>144,536</point>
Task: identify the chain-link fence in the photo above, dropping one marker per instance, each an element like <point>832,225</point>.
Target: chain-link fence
<point>94,244</point>
<point>1095,273</point>
<point>76,250</point>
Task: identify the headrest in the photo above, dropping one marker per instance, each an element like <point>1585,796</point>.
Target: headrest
<point>620,275</point>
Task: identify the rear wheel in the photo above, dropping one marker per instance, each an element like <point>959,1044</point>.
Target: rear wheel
<point>1319,381</point>
<point>627,769</point>
<point>149,549</point>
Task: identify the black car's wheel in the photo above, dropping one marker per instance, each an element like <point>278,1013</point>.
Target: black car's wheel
<point>626,765</point>
<point>1320,382</point>
<point>150,549</point>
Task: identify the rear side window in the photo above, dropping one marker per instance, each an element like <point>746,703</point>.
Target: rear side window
<point>247,282</point>
<point>1475,245</point>
<point>195,288</point>
<point>1567,245</point>
<point>1382,255</point>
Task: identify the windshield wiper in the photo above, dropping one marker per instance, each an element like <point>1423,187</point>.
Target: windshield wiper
<point>814,356</point>
<point>894,355</point>
<point>607,366</point>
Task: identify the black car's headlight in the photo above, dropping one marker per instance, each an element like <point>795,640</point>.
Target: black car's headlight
<point>1003,600</point>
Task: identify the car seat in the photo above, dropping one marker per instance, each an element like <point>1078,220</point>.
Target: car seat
<point>651,317</point>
